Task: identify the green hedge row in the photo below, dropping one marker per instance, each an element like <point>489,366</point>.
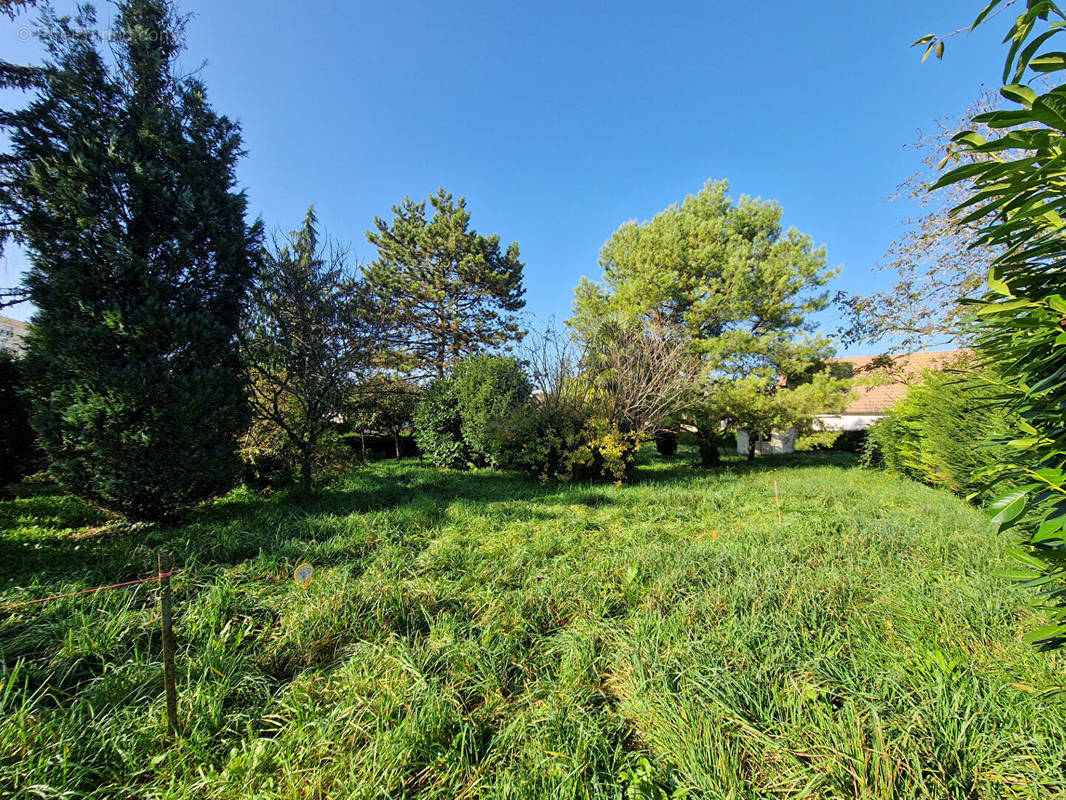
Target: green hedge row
<point>946,432</point>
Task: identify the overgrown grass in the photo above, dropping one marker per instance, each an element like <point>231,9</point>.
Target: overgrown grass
<point>479,635</point>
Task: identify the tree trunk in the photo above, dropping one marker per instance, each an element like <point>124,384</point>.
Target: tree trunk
<point>709,456</point>
<point>362,440</point>
<point>305,474</point>
<point>752,439</point>
<point>396,441</point>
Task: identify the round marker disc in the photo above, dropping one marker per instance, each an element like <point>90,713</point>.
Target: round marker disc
<point>303,574</point>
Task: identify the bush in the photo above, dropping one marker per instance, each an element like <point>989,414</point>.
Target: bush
<point>438,428</point>
<point>271,461</point>
<point>943,433</point>
<point>267,456</point>
<point>539,438</point>
<point>459,420</point>
<point>562,440</point>
<point>19,455</point>
<point>487,390</point>
<point>605,452</point>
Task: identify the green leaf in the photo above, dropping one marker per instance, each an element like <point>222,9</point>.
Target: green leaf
<point>1047,632</point>
<point>1009,305</point>
<point>1019,94</point>
<point>996,285</point>
<point>1008,508</point>
<point>1051,108</point>
<point>1049,62</point>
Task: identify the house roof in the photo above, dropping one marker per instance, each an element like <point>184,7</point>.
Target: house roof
<point>892,375</point>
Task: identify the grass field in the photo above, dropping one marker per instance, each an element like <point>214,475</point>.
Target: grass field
<point>479,635</point>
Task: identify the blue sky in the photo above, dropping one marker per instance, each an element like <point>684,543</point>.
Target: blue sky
<point>559,121</point>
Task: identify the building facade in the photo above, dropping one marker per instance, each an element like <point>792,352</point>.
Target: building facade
<point>12,335</point>
<point>881,382</point>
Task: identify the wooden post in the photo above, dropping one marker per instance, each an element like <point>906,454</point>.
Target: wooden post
<point>167,619</point>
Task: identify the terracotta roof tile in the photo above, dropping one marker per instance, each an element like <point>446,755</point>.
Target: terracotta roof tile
<point>896,373</point>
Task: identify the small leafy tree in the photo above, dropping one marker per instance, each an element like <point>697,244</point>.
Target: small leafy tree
<point>753,405</point>
<point>119,181</point>
<point>1017,174</point>
<point>383,404</point>
<point>444,290</point>
<point>487,389</point>
<point>307,335</point>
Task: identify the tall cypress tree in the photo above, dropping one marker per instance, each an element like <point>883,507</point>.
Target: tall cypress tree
<point>121,179</point>
<point>444,290</point>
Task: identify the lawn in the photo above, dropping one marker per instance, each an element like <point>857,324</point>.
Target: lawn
<point>475,635</point>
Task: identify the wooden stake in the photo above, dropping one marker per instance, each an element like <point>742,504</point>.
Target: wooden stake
<point>169,678</point>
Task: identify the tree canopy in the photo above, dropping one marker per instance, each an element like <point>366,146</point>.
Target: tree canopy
<point>120,180</point>
<point>739,286</point>
<point>444,290</point>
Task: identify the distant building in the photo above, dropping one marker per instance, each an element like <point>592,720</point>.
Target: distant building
<point>885,381</point>
<point>13,335</point>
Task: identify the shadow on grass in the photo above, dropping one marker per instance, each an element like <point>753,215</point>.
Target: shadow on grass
<point>46,534</point>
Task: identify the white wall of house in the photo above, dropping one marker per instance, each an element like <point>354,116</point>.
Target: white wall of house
<point>846,422</point>
<point>780,442</point>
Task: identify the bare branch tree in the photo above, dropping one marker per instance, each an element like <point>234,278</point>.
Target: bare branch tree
<point>643,374</point>
<point>13,296</point>
<point>936,260</point>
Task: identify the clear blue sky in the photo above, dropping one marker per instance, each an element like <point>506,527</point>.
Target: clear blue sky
<point>559,121</point>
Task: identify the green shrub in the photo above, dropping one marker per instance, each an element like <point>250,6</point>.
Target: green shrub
<point>438,427</point>
<point>562,440</point>
<point>538,437</point>
<point>271,461</point>
<point>487,390</point>
<point>267,456</point>
<point>460,419</point>
<point>943,433</point>
<point>605,451</point>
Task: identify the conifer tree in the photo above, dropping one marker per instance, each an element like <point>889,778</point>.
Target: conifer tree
<point>120,178</point>
<point>742,289</point>
<point>444,290</point>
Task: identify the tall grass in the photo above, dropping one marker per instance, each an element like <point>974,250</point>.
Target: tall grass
<point>480,635</point>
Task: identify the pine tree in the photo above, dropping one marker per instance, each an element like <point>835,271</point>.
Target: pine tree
<point>445,290</point>
<point>121,180</point>
<point>741,288</point>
